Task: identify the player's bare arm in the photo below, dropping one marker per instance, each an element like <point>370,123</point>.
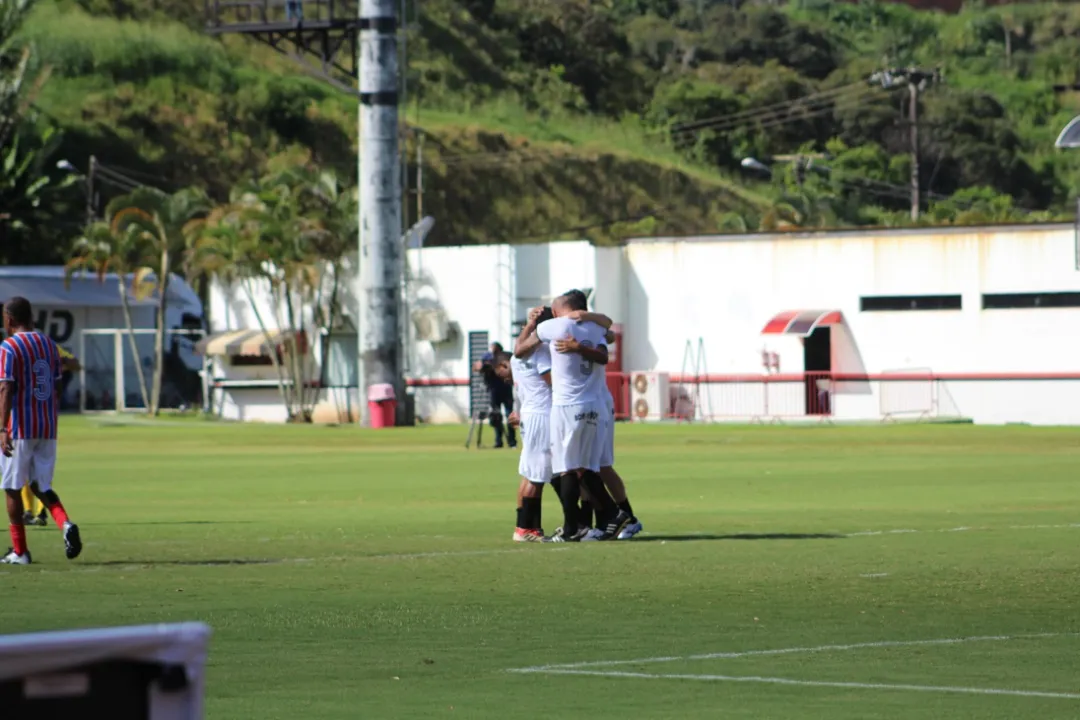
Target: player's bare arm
<point>527,341</point>
<point>584,316</point>
<point>598,355</point>
<point>7,391</point>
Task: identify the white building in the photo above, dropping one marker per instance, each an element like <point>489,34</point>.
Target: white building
<point>975,321</point>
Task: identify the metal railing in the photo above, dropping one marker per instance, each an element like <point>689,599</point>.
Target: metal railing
<point>224,13</point>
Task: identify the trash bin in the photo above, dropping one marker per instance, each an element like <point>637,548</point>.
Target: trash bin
<point>382,405</point>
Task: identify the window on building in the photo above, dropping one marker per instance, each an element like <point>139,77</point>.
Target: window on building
<point>883,303</point>
<point>341,359</point>
<point>1006,301</point>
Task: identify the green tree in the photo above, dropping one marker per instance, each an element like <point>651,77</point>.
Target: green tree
<point>31,185</point>
<point>284,238</point>
<point>159,219</point>
<point>111,248</point>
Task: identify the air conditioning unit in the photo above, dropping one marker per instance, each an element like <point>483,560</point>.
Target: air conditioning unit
<point>650,397</point>
<point>431,325</point>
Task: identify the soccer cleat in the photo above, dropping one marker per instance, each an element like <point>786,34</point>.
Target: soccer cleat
<point>631,530</point>
<point>72,541</point>
<point>560,537</point>
<point>32,520</point>
<point>617,524</point>
<point>593,535</point>
<point>11,558</point>
<point>523,535</point>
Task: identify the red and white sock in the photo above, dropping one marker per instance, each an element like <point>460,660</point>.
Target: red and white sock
<point>59,515</point>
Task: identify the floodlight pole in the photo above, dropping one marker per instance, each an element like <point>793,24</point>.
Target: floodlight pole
<point>381,251</point>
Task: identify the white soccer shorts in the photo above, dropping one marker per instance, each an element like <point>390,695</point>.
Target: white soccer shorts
<point>535,463</point>
<point>607,442</point>
<point>33,461</point>
<point>576,437</point>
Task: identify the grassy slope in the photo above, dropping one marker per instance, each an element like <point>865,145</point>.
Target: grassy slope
<point>164,100</point>
<point>350,573</point>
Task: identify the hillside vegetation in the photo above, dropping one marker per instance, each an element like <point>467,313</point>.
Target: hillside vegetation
<point>544,119</point>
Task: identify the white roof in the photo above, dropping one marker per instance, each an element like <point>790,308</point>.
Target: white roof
<point>46,286</point>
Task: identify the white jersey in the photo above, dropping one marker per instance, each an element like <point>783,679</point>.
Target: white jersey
<point>534,394</point>
<point>574,380</point>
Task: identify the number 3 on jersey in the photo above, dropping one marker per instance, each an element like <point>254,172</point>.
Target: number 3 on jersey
<point>586,365</point>
<point>43,380</point>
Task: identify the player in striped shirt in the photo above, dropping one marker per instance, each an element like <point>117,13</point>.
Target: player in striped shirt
<point>30,371</point>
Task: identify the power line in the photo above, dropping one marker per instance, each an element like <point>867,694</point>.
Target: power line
<point>771,112</point>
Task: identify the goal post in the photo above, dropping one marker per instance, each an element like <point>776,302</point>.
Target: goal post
<point>108,380</point>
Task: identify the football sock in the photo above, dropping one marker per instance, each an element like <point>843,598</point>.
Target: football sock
<point>521,518</point>
<point>531,513</point>
<point>625,507</point>
<point>556,484</point>
<point>18,539</point>
<point>28,500</point>
<point>59,515</point>
<point>569,494</point>
<point>586,516</point>
<point>598,493</point>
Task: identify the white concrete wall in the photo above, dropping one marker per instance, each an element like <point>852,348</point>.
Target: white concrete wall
<point>484,288</point>
<point>724,289</point>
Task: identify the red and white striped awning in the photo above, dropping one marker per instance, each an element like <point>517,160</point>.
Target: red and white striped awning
<point>801,322</point>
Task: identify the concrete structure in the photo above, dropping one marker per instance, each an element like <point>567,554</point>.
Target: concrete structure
<point>380,197</point>
<point>938,321</point>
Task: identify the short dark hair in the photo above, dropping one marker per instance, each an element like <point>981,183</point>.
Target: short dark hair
<point>577,300</point>
<point>545,315</point>
<point>497,345</point>
<point>20,312</point>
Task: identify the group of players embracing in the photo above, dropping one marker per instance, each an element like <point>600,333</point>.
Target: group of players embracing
<point>567,418</point>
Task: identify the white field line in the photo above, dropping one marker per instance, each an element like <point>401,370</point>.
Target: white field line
<point>785,651</point>
<point>819,683</point>
<point>870,533</point>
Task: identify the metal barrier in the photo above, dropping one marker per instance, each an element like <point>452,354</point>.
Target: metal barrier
<point>754,398</point>
<point>814,396</point>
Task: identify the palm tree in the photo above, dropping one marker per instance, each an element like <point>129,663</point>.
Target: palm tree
<point>336,207</point>
<point>161,219</point>
<point>290,230</point>
<point>226,246</point>
<point>104,249</point>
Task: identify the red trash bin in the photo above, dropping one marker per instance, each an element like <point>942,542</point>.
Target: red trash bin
<point>382,405</point>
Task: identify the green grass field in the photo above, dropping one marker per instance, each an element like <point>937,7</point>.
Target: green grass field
<point>783,572</point>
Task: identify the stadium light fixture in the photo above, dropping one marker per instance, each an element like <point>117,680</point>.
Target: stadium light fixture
<point>756,165</point>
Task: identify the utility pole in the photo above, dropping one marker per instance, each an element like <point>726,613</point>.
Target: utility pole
<point>913,118</point>
<point>419,175</point>
<point>916,80</point>
<point>381,251</point>
<point>91,206</point>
